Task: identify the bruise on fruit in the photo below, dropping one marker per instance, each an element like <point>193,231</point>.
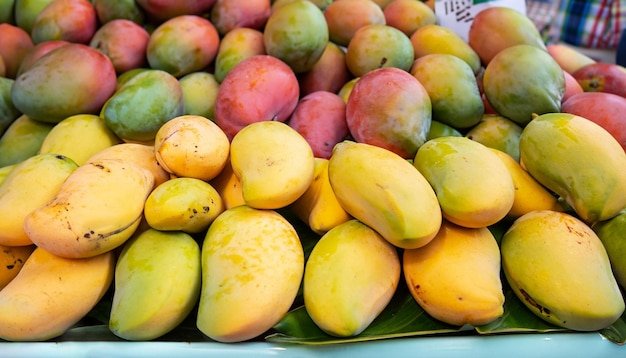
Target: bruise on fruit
<point>543,310</point>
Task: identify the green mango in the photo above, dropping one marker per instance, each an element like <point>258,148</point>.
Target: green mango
<point>579,161</point>
<point>22,140</point>
<point>143,104</point>
<point>26,11</point>
<point>439,129</point>
<point>8,112</point>
<point>612,234</point>
<point>497,132</point>
<point>452,88</point>
<point>558,267</point>
<point>7,13</point>
<point>297,34</point>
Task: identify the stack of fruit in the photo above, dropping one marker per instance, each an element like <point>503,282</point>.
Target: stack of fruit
<point>162,151</point>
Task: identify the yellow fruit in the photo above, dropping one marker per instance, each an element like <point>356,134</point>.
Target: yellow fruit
<point>12,259</point>
<point>228,186</point>
<point>456,277</point>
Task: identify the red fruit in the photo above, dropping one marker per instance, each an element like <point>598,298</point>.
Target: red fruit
<point>320,117</point>
<point>602,77</point>
<point>259,88</point>
<point>605,109</point>
<point>572,86</point>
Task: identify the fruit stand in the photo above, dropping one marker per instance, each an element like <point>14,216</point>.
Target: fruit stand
<point>300,177</point>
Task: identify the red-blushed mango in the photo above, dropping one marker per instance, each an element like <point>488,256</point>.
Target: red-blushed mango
<point>409,15</point>
<point>71,79</point>
<point>389,108</point>
<point>329,73</point>
<point>259,88</point>
<point>70,20</point>
<point>452,88</point>
<point>199,93</point>
<point>435,38</point>
<point>15,44</point>
<point>137,110</point>
<point>602,77</point>
<point>182,44</point>
<point>107,10</point>
<point>124,42</point>
<point>162,10</point>
<point>499,27</point>
<point>568,57</point>
<point>297,34</point>
<point>572,86</point>
<point>227,15</point>
<point>378,46</point>
<point>523,80</point>
<point>320,117</point>
<point>38,51</point>
<point>237,45</point>
<point>346,16</point>
<point>605,109</point>
<point>27,11</point>
<point>382,3</point>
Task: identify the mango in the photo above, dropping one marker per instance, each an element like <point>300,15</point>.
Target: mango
<point>38,51</point>
<point>452,88</point>
<point>79,137</point>
<point>69,20</point>
<point>182,45</point>
<point>6,11</point>
<point>558,267</point>
<point>137,110</point>
<point>8,112</point>
<point>237,45</point>
<point>578,160</point>
<point>124,42</point>
<point>439,129</point>
<point>297,34</point>
<point>22,139</point>
<point>183,204</point>
<point>473,186</point>
<point>602,77</point>
<point>162,10</point>
<point>523,80</point>
<point>434,38</point>
<point>199,94</point>
<point>252,269</point>
<point>157,284</point>
<point>350,276</point>
<point>378,46</point>
<point>495,131</point>
<point>329,73</point>
<point>83,79</point>
<point>15,44</point>
<point>499,27</point>
<point>611,233</point>
<point>26,11</point>
<point>455,278</point>
<point>345,17</point>
<point>409,15</point>
<point>120,9</point>
<point>234,14</point>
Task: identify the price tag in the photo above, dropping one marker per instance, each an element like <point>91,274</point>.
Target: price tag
<point>459,14</point>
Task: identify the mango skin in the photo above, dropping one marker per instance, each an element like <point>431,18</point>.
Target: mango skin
<point>350,277</point>
<point>611,233</point>
<point>578,160</point>
<point>474,188</point>
<point>523,80</point>
<point>237,45</point>
<point>495,131</point>
<point>71,79</point>
<point>560,270</point>
<point>252,268</point>
<point>143,104</point>
<point>452,88</point>
<point>297,34</point>
<point>433,38</point>
<point>8,112</point>
<point>22,139</point>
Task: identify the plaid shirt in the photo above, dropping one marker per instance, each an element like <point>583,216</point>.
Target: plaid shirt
<point>589,23</point>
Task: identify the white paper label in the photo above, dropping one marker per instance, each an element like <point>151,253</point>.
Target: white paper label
<point>459,14</point>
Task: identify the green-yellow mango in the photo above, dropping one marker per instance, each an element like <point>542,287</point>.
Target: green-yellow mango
<point>350,277</point>
<point>141,105</point>
<point>26,11</point>
<point>497,132</point>
<point>452,88</point>
<point>119,9</point>
<point>252,269</point>
<point>157,284</point>
<point>238,44</point>
<point>7,15</point>
<point>578,160</point>
<point>376,46</point>
<point>71,79</point>
<point>199,94</point>
<point>474,188</point>
<point>611,233</point>
<point>434,38</point>
<point>22,139</point>
<point>297,34</point>
<point>439,129</point>
<point>558,267</point>
<point>523,80</point>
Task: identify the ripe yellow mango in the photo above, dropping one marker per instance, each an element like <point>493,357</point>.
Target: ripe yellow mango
<point>474,188</point>
<point>560,270</point>
<point>350,277</point>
